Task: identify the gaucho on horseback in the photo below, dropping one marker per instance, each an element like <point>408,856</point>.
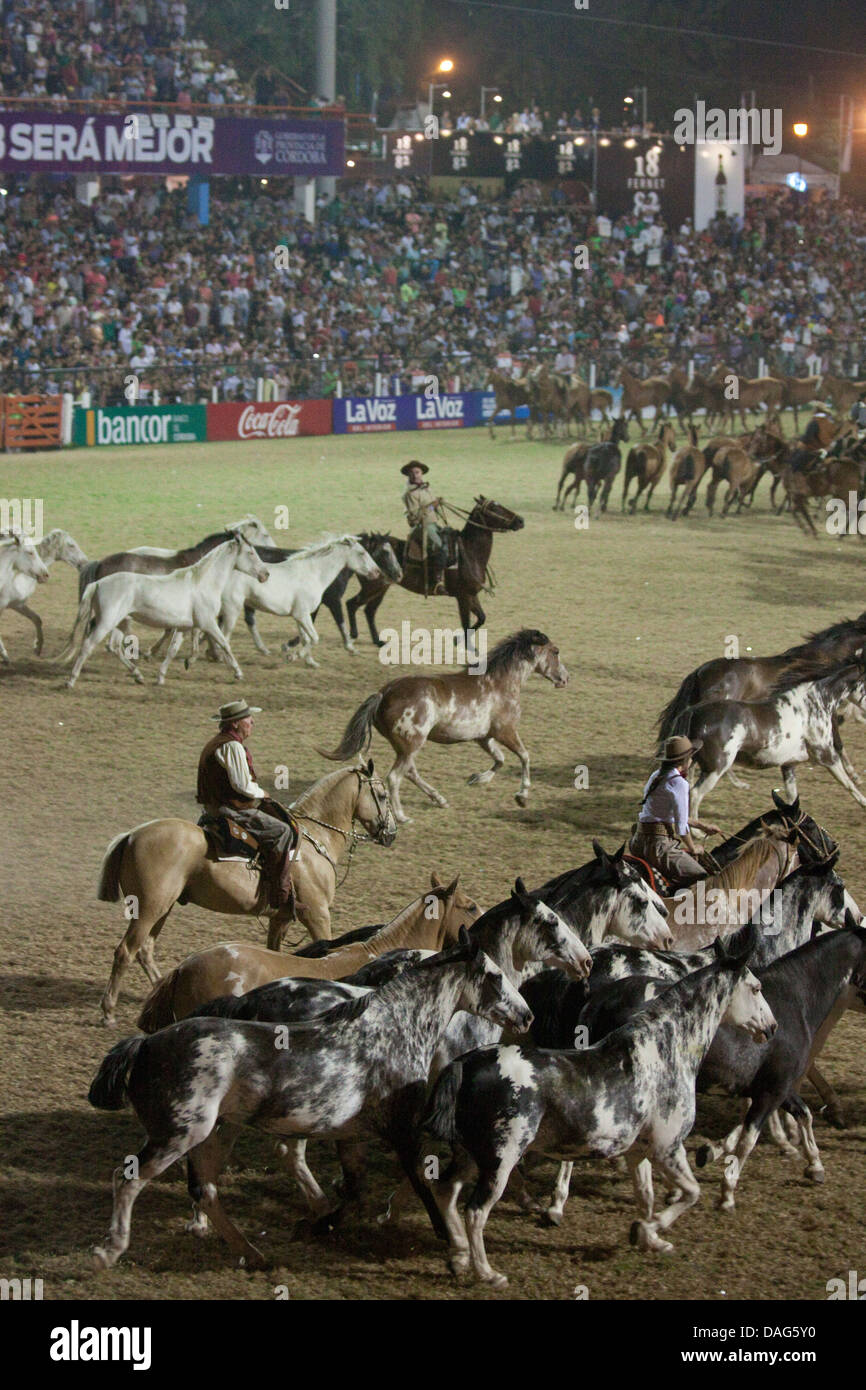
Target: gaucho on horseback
<point>231,797</point>
<point>423,512</point>
<point>662,836</point>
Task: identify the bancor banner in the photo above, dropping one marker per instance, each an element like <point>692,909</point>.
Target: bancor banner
<point>139,424</point>
<point>268,419</point>
<point>34,141</point>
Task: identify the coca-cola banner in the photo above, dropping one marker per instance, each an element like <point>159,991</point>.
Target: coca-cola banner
<point>268,419</point>
<point>34,141</point>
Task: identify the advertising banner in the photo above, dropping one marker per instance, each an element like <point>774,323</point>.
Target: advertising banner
<point>34,141</point>
<point>139,424</point>
<point>268,419</point>
<point>368,414</point>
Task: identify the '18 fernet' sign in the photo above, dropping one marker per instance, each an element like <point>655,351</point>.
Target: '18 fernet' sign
<point>33,141</point>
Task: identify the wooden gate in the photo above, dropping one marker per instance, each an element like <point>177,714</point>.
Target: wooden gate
<point>30,422</point>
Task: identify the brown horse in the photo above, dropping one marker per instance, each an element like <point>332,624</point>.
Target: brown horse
<point>828,478</point>
<point>429,923</point>
<point>724,901</point>
<point>636,394</point>
<point>510,392</point>
<point>739,470</point>
<point>841,392</point>
<point>581,401</point>
<point>770,451</point>
<point>164,862</point>
<point>799,391</point>
<point>688,466</point>
<point>647,465</point>
<point>482,706</point>
<point>749,393</point>
<point>464,580</point>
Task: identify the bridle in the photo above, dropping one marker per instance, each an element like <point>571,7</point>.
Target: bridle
<point>352,836</point>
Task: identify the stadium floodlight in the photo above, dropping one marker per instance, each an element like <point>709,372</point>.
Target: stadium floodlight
<point>446,65</point>
<point>800,128</point>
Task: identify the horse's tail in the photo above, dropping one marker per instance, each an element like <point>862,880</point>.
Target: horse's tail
<point>157,1011</point>
<point>688,694</point>
<point>440,1117</point>
<point>359,731</point>
<point>84,607</point>
<point>108,1087</point>
<point>87,575</point>
<point>108,890</point>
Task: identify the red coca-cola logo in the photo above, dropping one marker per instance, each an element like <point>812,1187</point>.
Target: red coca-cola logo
<point>281,422</point>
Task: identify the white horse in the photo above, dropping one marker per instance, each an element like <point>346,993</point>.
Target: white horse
<point>18,557</point>
<point>57,545</point>
<point>182,600</point>
<point>296,587</point>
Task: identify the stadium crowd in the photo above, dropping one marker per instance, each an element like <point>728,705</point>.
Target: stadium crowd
<point>394,279</point>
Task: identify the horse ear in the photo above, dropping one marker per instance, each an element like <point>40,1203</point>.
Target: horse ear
<point>778,802</point>
<point>451,888</point>
<point>719,949</point>
<point>617,858</point>
<point>850,920</point>
<point>435,880</point>
<point>598,851</point>
<point>370,767</point>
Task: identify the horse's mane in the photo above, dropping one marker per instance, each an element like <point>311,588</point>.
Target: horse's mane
<point>326,543</point>
<point>390,936</point>
<point>518,647</point>
<point>494,917</point>
<point>807,672</point>
<point>843,628</point>
<point>741,871</point>
<point>323,782</point>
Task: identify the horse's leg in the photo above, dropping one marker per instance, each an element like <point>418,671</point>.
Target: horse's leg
<point>295,1154</point>
<point>309,637</point>
<point>487,745</point>
<point>140,928</point>
<point>34,619</point>
<point>489,1188</point>
<point>702,788</point>
<point>250,620</point>
<point>830,759</point>
<point>446,1194</point>
<point>394,778</point>
<point>335,608</point>
<point>153,1159</point>
<point>89,644</point>
<point>206,1161</point>
<point>649,496</point>
<point>814,1169</point>
<point>316,917</point>
<point>676,1169</point>
<point>831,1104</point>
<point>641,1173</point>
<point>210,627</point>
<point>735,1162</point>
<point>173,648</point>
<point>776,1132</point>
<point>147,962</point>
<point>414,776</point>
<point>511,740</point>
<point>555,1210</point>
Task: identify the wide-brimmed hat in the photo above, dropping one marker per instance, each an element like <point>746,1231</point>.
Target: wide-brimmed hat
<point>235,709</point>
<point>414,463</point>
<point>678,747</point>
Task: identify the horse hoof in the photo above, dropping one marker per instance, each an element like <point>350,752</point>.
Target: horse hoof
<point>703,1156</point>
<point>834,1118</point>
<point>521,798</point>
<point>108,1021</point>
<point>814,1174</point>
<point>552,1218</point>
<point>635,1233</point>
<point>725,1204</point>
<point>186,663</point>
<point>496,1281</point>
<point>254,1259</point>
<point>101,1258</point>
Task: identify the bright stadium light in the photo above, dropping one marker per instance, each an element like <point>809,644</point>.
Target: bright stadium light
<point>446,65</point>
<point>801,128</point>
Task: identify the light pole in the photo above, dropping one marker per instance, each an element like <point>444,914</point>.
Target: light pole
<point>800,129</point>
<point>484,91</point>
<point>446,65</point>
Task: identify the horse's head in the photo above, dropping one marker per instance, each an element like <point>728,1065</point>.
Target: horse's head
<point>359,561</point>
<point>460,907</point>
<point>372,807</point>
<point>747,1007</point>
<point>814,843</point>
<point>26,558</point>
<point>543,935</point>
<point>246,559</point>
<point>252,530</point>
<point>494,517</point>
<point>638,915</point>
<point>834,902</point>
<point>619,434</point>
<point>379,547</point>
<point>486,992</point>
<point>548,662</point>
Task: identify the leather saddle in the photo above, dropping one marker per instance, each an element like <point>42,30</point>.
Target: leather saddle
<point>651,875</point>
<point>228,840</point>
<point>450,540</point>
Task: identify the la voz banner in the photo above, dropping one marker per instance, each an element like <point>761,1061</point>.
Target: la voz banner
<point>371,414</point>
<point>34,141</point>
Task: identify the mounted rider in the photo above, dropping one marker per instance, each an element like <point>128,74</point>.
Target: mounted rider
<point>662,835</point>
<point>229,792</point>
<point>424,515</point>
<point>858,411</point>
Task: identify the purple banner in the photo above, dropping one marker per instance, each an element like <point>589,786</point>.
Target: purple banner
<point>371,414</point>
<point>53,142</point>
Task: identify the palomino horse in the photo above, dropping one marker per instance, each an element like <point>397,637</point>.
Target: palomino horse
<point>463,581</point>
<point>163,861</point>
<point>295,588</point>
<point>792,726</point>
<point>429,923</point>
<point>356,1073</point>
<point>57,545</point>
<point>182,600</point>
<point>483,707</point>
<point>646,464</point>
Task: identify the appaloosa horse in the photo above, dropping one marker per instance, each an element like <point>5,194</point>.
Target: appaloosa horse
<point>482,707</point>
<point>464,578</point>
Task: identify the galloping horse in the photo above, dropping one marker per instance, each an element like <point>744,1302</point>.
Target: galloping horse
<point>646,464</point>
<point>167,861</point>
<point>463,580</point>
<point>636,394</point>
<point>57,545</point>
<point>484,707</point>
<point>602,463</point>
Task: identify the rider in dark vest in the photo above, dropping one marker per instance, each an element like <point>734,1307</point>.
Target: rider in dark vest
<point>423,514</point>
<point>227,786</point>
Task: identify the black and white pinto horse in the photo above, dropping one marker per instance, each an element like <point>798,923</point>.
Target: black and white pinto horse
<point>358,1072</point>
<point>601,465</point>
<point>794,725</point>
<point>632,1094</point>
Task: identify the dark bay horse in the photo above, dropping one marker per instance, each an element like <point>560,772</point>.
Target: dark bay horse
<point>464,580</point>
<point>602,463</point>
<point>483,707</point>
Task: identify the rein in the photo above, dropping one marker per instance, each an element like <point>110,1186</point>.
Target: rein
<point>353,836</point>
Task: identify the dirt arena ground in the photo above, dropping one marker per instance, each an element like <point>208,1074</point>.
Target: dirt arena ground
<point>634,603</point>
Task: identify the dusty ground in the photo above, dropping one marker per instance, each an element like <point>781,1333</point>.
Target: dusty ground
<point>634,603</point>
